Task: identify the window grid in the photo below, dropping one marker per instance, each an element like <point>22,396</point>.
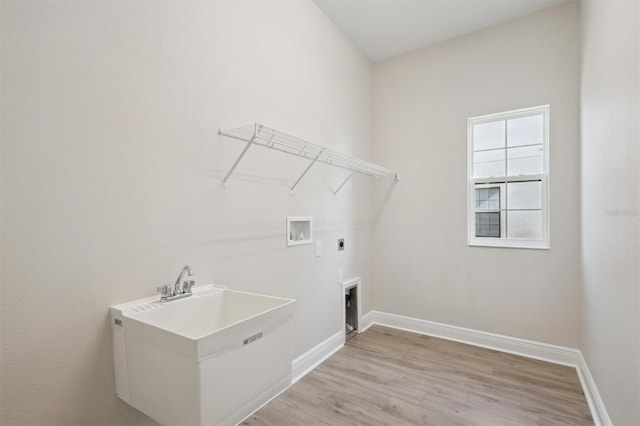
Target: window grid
<point>537,155</point>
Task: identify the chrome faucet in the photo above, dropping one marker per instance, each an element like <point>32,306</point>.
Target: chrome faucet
<point>180,289</point>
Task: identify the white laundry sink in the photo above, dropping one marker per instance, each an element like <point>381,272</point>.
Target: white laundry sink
<point>212,358</point>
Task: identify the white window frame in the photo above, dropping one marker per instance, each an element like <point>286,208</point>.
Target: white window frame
<point>544,243</point>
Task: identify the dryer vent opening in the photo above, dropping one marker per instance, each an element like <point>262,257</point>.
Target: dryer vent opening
<point>351,312</point>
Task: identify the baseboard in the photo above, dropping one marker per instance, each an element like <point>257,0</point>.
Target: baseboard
<point>528,348</point>
<point>598,410</point>
<point>366,321</point>
<point>316,355</point>
<point>531,349</point>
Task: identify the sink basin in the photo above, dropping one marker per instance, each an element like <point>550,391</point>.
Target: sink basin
<point>212,358</point>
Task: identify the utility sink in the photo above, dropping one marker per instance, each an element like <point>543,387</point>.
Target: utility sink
<point>208,359</point>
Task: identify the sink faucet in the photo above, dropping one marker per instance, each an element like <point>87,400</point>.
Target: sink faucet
<point>178,290</point>
<point>189,271</point>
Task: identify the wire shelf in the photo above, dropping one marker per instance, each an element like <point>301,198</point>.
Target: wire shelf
<point>258,134</point>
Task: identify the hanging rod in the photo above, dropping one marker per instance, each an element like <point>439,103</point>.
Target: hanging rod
<point>258,134</point>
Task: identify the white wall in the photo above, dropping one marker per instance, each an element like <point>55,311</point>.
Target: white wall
<point>610,189</point>
<point>111,171</point>
<point>422,265</point>
<point>111,166</point>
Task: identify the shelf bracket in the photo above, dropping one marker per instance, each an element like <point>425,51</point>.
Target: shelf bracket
<point>342,184</point>
<point>244,151</point>
<point>306,170</point>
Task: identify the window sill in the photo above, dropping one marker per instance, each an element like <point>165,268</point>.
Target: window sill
<point>535,245</point>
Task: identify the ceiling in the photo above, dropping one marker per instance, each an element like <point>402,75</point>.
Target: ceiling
<point>385,28</point>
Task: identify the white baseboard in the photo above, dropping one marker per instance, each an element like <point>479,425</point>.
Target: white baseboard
<point>598,410</point>
<point>366,321</point>
<point>528,348</point>
<point>316,355</point>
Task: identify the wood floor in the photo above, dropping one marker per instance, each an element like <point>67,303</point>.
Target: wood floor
<point>390,377</point>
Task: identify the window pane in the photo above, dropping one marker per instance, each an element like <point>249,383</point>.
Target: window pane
<point>524,195</point>
<point>488,135</point>
<point>525,130</point>
<point>494,198</point>
<point>488,225</point>
<point>488,198</point>
<point>524,161</point>
<point>482,198</point>
<point>488,163</point>
<point>524,225</point>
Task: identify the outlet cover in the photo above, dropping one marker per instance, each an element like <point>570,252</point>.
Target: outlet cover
<point>318,248</point>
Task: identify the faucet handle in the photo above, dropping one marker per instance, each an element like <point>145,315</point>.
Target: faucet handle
<point>186,286</point>
<point>164,290</point>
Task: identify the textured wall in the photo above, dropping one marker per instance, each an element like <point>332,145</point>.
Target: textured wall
<point>610,183</point>
<point>111,170</point>
<point>423,267</point>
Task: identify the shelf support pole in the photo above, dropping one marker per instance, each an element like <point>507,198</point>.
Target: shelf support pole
<point>306,170</point>
<point>244,151</point>
<point>342,184</point>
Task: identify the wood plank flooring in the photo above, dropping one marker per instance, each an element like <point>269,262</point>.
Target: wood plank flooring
<point>390,377</point>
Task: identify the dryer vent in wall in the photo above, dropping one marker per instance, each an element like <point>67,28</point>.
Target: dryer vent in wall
<point>351,312</point>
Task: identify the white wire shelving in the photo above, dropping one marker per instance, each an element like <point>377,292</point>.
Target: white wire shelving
<point>258,134</point>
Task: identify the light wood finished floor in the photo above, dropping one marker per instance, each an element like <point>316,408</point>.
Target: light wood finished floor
<point>390,377</point>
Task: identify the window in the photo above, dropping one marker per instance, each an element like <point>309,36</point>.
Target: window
<point>509,178</point>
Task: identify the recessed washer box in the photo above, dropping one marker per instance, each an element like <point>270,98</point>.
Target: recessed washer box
<point>299,230</point>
